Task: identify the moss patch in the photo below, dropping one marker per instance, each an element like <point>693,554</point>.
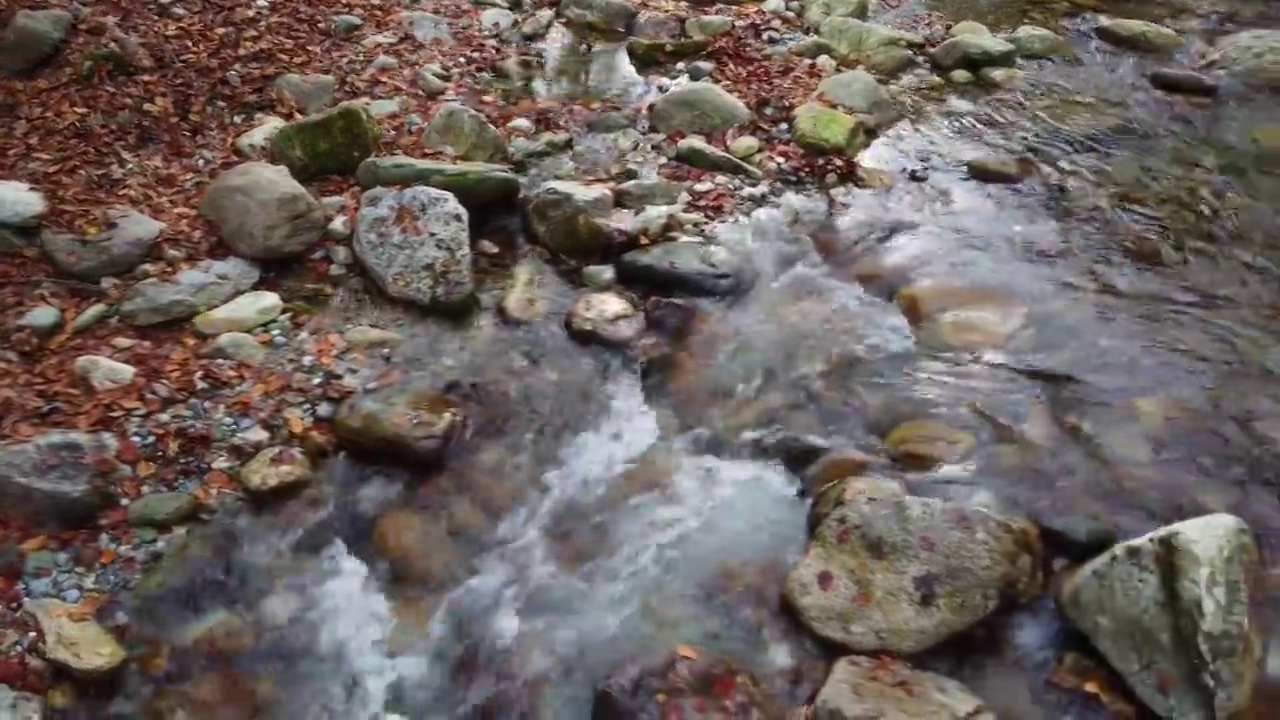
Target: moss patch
<point>333,142</point>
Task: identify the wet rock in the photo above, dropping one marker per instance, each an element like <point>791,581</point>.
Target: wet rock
<point>1187,82</point>
<point>309,93</point>
<point>416,244</point>
<point>523,299</point>
<point>687,267</point>
<point>979,327</point>
<point>537,24</point>
<point>637,194</point>
<point>855,90</point>
<point>465,133</point>
<point>968,27</point>
<point>924,444</point>
<point>32,37</point>
<point>1137,35</point>
<point>1253,56</point>
<point>1171,612</point>
<point>855,489</point>
<point>427,28</point>
<point>688,683</point>
<point>238,346</point>
<point>72,641</point>
<point>851,39</point>
<point>402,420</point>
<point>606,318</point>
<point>364,336</point>
<point>889,62</point>
<point>813,48</point>
<point>651,53</point>
<point>262,212</point>
<point>599,277</point>
<point>995,169</point>
<point>834,466</point>
<point>902,574</point>
<point>708,26</point>
<point>1076,537</point>
<point>863,687</point>
<point>527,150</point>
<point>478,186</point>
<point>497,20</point>
<point>815,11</point>
<point>696,153</point>
<point>1032,41</point>
<point>973,52</point>
<point>826,131</point>
<point>611,19</point>
<point>254,144</point>
<point>569,219</point>
<point>275,468</point>
<point>21,205</point>
<point>125,243</point>
<point>246,312</point>
<point>333,142</point>
<point>698,108</point>
<point>162,509</point>
<point>189,292</point>
<point>103,373</point>
<point>58,478</point>
<point>43,319</point>
<point>20,705</point>
<point>744,147</point>
<point>999,76</point>
<point>960,77</point>
<point>417,547</point>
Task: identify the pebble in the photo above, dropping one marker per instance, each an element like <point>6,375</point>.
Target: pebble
<point>703,187</point>
<point>103,373</point>
<point>43,319</point>
<point>1180,80</point>
<point>700,70</point>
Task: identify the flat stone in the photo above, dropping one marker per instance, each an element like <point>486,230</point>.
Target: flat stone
<point>362,336</point>
<point>189,292</point>
<point>125,242</point>
<point>103,373</point>
<point>861,687</point>
<point>479,187</point>
<point>400,420</point>
<point>72,641</point>
<point>702,155</point>
<point>687,267</point>
<point>1186,82</point>
<point>246,312</point>
<point>1137,35</point>
<point>163,509</point>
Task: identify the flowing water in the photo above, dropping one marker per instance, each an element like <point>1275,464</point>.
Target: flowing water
<point>604,518</point>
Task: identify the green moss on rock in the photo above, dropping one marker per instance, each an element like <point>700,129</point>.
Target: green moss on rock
<point>333,142</point>
<point>823,130</point>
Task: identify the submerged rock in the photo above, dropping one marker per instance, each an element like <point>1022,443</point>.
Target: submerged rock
<point>859,688</point>
<point>973,52</point>
<point>995,169</point>
<point>1171,612</point>
<point>72,641</point>
<point>416,244</point>
<point>688,684</point>
<point>606,318</point>
<point>689,267</point>
<point>925,444</point>
<point>1137,35</point>
<point>885,572</point>
<point>1253,56</point>
<point>402,420</point>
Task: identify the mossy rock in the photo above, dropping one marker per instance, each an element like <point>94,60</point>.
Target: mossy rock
<point>823,130</point>
<point>333,142</point>
<point>478,186</point>
<point>649,53</point>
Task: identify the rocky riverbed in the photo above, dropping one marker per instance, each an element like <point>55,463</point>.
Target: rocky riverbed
<point>614,359</point>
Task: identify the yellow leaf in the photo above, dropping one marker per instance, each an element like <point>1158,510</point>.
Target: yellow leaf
<point>296,425</point>
<point>686,652</point>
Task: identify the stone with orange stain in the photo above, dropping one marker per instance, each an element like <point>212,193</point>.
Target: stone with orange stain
<point>275,468</point>
<point>410,422</point>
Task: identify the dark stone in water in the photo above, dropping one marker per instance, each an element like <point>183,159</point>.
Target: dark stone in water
<point>687,684</point>
<point>670,318</point>
<point>1186,82</point>
<point>690,268</point>
<point>1076,537</point>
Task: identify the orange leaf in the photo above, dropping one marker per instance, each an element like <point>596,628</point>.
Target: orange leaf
<point>686,652</point>
<point>33,544</point>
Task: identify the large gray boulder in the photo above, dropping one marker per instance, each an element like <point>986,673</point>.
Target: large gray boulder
<point>57,480</point>
<point>854,90</point>
<point>973,51</point>
<point>860,687</point>
<point>854,39</point>
<point>1253,56</point>
<point>465,133</point>
<point>886,571</point>
<point>124,244</point>
<point>1171,612</point>
<point>815,11</point>
<point>416,245</point>
<point>262,212</point>
<point>32,37</point>
<point>478,186</point>
<point>698,107</point>
<point>187,293</point>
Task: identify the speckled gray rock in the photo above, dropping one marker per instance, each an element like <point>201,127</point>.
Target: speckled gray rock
<point>698,107</point>
<point>31,37</point>
<point>860,687</point>
<point>58,478</point>
<point>189,292</point>
<point>1253,56</point>
<point>1171,612</point>
<point>416,245</point>
<point>903,573</point>
<point>309,93</point>
<point>465,133</point>
<point>262,212</point>
<point>124,244</point>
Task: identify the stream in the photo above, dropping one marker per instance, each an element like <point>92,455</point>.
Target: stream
<point>604,516</point>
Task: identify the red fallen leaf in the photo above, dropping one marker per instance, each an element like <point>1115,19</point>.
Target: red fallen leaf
<point>128,452</point>
<point>825,580</point>
<point>724,685</point>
